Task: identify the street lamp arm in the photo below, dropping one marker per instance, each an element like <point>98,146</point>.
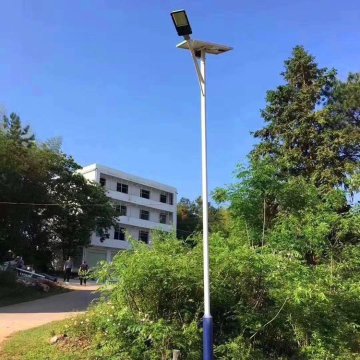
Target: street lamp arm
<point>196,62</point>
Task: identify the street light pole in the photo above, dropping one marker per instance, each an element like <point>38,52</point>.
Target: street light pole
<point>198,50</point>
<point>207,319</point>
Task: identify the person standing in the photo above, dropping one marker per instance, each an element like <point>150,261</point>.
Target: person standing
<point>67,269</point>
<point>20,264</point>
<point>83,272</point>
<point>10,256</point>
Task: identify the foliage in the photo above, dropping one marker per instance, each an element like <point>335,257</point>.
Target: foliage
<point>189,218</point>
<point>266,304</point>
<point>151,321</point>
<point>294,215</point>
<point>45,204</point>
<point>13,130</point>
<point>313,123</point>
<point>253,197</point>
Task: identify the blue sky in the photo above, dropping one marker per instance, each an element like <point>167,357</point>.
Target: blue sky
<point>107,78</point>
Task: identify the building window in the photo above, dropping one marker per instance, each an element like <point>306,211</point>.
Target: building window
<point>163,198</point>
<point>119,233</point>
<point>163,218</point>
<point>144,236</point>
<point>102,182</point>
<point>120,210</point>
<point>144,214</point>
<point>171,199</point>
<point>124,188</point>
<point>145,194</point>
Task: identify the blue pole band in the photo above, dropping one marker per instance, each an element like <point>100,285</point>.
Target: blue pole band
<point>208,350</point>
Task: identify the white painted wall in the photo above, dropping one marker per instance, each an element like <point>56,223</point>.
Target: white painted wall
<point>134,203</point>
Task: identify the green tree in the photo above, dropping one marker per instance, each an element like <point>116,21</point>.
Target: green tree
<point>22,182</point>
<point>313,123</point>
<point>254,199</point>
<point>310,148</point>
<point>14,130</point>
<point>45,205</point>
<point>81,207</point>
<point>190,220</point>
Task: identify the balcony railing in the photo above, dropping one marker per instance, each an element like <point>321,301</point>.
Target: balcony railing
<point>137,200</point>
<point>146,224</point>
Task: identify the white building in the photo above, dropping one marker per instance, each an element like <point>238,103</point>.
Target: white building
<point>143,205</point>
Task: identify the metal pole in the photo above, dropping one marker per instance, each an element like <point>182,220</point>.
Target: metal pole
<point>207,319</point>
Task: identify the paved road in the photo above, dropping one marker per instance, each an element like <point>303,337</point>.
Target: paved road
<point>30,314</point>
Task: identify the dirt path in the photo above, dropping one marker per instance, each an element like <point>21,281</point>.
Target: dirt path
<point>31,314</point>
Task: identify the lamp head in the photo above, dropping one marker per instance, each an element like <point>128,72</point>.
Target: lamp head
<point>181,22</point>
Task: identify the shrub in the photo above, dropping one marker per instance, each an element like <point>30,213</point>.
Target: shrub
<point>266,304</point>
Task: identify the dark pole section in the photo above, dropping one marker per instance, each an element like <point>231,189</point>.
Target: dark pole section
<point>208,337</point>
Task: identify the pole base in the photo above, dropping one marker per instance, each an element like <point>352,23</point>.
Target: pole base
<point>208,350</point>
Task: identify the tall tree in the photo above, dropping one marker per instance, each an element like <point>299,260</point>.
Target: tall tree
<point>313,123</point>
<point>14,130</point>
<point>82,206</point>
<point>45,205</point>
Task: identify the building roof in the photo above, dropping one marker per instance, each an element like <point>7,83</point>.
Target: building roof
<point>122,175</point>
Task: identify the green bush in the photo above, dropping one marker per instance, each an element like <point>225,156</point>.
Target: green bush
<point>266,304</point>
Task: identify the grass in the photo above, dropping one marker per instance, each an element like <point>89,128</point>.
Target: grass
<point>12,292</point>
<point>34,344</point>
